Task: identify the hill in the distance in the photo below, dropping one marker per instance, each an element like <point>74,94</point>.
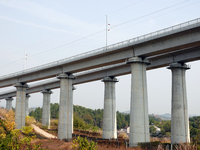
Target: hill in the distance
<point>166,116</point>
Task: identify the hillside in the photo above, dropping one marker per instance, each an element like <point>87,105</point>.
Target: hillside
<point>84,117</point>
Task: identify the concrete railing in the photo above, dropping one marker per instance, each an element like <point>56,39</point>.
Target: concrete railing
<point>130,42</point>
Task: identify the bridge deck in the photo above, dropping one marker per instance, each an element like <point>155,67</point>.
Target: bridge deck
<point>190,54</point>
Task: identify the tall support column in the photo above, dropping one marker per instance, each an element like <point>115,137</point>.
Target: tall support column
<point>20,109</point>
<point>46,108</point>
<point>179,110</point>
<point>66,107</point>
<point>139,119</point>
<point>109,113</point>
<point>27,102</point>
<point>9,103</point>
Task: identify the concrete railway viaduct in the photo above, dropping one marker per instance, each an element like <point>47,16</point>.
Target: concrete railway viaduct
<point>171,47</point>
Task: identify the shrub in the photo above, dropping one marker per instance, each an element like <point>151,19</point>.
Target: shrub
<point>3,112</point>
<point>44,127</point>
<point>30,120</point>
<point>2,130</point>
<point>95,128</point>
<point>83,144</point>
<point>55,122</point>
<point>10,121</point>
<point>12,139</point>
<point>122,135</point>
<point>27,130</point>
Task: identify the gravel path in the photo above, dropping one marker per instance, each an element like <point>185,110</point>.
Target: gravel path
<point>42,132</point>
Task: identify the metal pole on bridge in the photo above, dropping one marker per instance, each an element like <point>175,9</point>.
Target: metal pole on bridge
<point>106,31</point>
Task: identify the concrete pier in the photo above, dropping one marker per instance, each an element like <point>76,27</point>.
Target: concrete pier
<point>27,102</point>
<point>9,103</point>
<point>20,109</point>
<point>109,113</point>
<point>46,108</point>
<point>66,107</point>
<point>179,110</point>
<point>139,119</point>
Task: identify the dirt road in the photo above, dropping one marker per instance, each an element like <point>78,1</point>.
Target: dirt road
<point>42,132</point>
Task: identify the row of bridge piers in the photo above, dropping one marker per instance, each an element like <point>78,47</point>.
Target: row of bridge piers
<point>139,120</point>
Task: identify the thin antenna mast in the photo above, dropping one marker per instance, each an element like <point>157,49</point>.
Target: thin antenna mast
<point>106,31</point>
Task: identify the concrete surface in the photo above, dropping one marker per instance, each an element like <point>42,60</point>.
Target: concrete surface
<point>9,103</point>
<point>27,102</point>
<point>179,110</point>
<point>20,108</point>
<point>139,119</point>
<point>46,113</point>
<point>123,69</point>
<point>66,107</point>
<point>109,113</point>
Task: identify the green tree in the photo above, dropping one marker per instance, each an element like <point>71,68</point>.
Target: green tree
<point>152,129</point>
<point>37,114</point>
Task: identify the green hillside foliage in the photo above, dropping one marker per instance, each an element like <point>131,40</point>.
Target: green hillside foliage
<point>164,125</point>
<point>122,120</point>
<point>85,118</point>
<point>37,114</point>
<point>195,129</point>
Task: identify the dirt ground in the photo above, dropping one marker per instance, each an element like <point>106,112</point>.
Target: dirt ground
<point>54,144</point>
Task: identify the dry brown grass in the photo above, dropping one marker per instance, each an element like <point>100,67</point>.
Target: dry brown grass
<point>120,148</point>
<point>185,147</point>
<point>162,140</point>
<point>53,144</point>
<point>54,122</point>
<point>123,135</point>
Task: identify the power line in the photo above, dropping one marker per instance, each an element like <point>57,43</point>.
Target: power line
<point>13,62</point>
<point>68,43</point>
<point>84,24</point>
<point>162,14</point>
<point>125,7</point>
<point>70,30</point>
<point>150,18</point>
<point>151,13</point>
<point>116,25</point>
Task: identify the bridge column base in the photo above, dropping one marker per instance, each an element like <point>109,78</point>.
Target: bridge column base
<point>109,113</point>
<point>179,110</point>
<point>139,119</point>
<point>46,108</point>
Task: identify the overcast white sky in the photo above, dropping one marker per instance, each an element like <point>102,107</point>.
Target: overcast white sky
<point>50,30</point>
